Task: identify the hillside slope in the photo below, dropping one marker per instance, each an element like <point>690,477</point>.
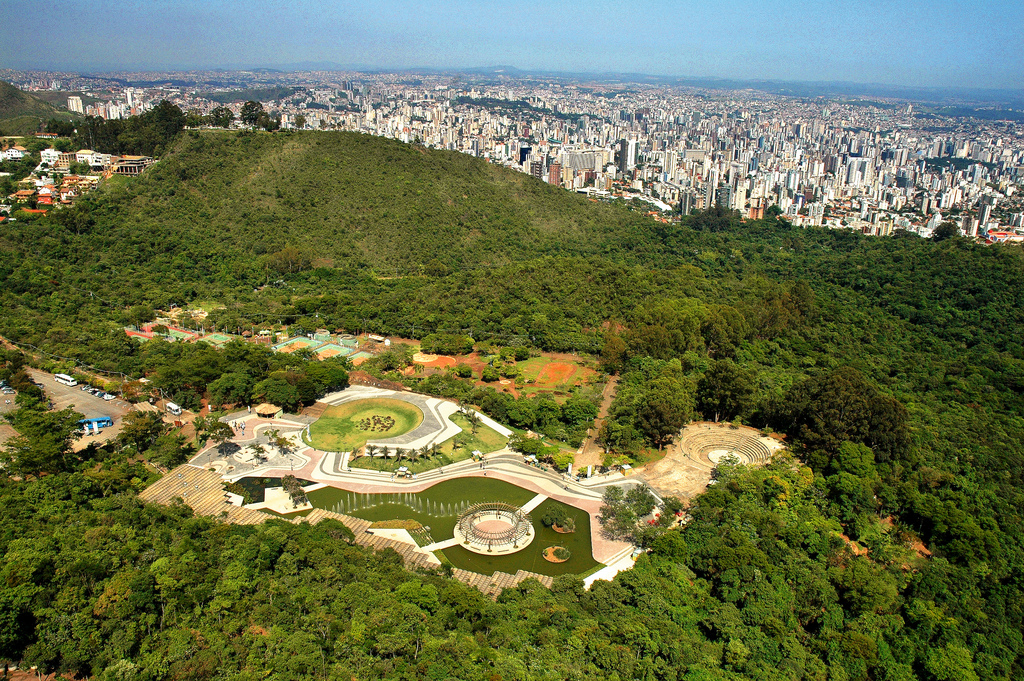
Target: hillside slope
<point>20,112</point>
<point>345,198</point>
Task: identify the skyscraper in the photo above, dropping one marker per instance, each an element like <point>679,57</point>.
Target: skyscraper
<point>985,210</point>
<point>555,174</point>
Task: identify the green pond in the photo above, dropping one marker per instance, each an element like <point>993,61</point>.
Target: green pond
<point>439,506</point>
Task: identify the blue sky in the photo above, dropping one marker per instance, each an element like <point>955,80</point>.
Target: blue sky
<point>910,42</point>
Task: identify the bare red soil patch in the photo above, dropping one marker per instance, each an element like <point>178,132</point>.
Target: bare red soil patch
<point>556,372</point>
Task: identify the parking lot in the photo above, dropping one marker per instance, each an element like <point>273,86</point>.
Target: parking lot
<point>88,405</point>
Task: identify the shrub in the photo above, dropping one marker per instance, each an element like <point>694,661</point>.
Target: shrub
<point>561,553</point>
<point>555,515</point>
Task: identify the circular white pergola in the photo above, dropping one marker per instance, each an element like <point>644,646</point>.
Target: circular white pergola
<point>494,528</point>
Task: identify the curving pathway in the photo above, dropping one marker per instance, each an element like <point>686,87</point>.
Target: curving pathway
<point>328,468</point>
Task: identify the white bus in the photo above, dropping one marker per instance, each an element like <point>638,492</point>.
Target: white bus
<point>65,379</point>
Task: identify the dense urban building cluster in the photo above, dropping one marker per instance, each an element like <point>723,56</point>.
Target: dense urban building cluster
<point>865,165</point>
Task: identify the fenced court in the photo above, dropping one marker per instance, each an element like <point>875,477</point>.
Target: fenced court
<point>217,339</point>
<point>333,350</point>
<point>293,344</point>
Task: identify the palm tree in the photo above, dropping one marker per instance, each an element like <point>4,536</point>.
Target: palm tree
<point>371,450</point>
<point>474,421</point>
<point>385,451</point>
<point>425,451</point>
<point>399,453</point>
<point>433,449</point>
<point>259,451</point>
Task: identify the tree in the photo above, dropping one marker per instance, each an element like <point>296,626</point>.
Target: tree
<point>622,510</point>
<point>140,430</point>
<point>251,113</point>
<point>222,117</point>
<point>824,411</point>
<point>300,121</point>
<point>724,391</point>
<point>220,432</point>
<point>169,450</point>
<point>43,444</point>
<point>946,230</point>
<point>277,390</point>
<point>665,407</point>
<point>233,388</point>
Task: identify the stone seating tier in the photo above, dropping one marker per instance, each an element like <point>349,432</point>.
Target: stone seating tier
<point>698,443</point>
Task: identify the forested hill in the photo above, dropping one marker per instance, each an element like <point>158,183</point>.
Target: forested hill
<point>348,199</point>
<point>894,366</point>
<point>20,112</point>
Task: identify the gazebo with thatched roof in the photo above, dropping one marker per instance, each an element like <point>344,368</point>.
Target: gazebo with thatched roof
<point>268,411</point>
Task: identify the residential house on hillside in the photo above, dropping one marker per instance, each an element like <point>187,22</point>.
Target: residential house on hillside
<point>49,156</point>
<point>22,195</point>
<point>15,153</point>
<point>93,159</point>
<point>130,165</point>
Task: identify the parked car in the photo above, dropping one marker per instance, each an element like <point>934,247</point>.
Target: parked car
<point>109,396</point>
<point>86,387</point>
<point>9,391</point>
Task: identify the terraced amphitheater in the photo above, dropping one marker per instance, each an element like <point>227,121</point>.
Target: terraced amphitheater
<point>709,444</point>
<point>686,469</point>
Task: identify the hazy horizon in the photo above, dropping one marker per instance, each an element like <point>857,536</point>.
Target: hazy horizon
<point>919,44</point>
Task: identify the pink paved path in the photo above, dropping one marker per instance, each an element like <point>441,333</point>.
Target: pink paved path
<point>603,548</point>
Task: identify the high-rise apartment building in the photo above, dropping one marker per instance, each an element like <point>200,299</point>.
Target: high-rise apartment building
<point>555,174</point>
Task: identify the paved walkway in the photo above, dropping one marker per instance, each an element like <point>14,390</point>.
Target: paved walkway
<point>615,565</point>
<point>326,468</point>
<point>435,427</point>
<point>534,503</point>
<point>441,545</point>
<point>502,465</point>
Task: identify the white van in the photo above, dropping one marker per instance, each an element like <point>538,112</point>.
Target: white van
<point>172,408</point>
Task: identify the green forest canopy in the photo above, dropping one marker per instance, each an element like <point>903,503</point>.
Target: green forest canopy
<point>894,365</point>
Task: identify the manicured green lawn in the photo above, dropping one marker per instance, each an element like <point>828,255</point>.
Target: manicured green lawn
<point>485,440</point>
<point>338,429</point>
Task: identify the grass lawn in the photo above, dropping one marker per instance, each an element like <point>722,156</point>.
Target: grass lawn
<point>486,440</point>
<point>338,429</point>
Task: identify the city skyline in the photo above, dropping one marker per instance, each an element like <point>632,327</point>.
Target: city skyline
<point>921,44</point>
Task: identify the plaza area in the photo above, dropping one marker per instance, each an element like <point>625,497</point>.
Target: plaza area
<point>434,497</point>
